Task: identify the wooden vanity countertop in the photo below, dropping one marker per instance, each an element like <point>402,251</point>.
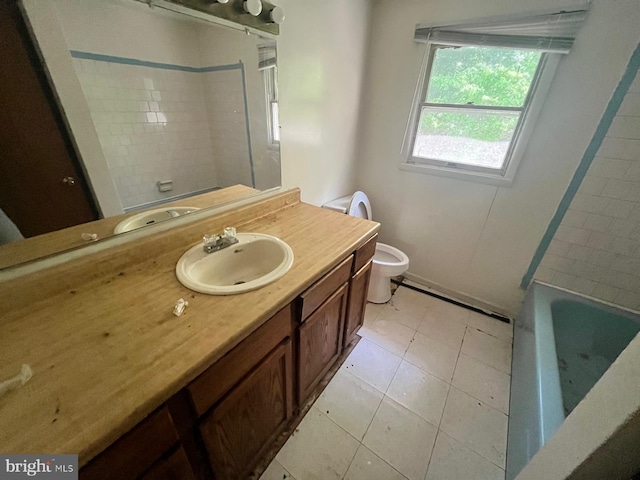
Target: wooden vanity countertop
<point>103,343</point>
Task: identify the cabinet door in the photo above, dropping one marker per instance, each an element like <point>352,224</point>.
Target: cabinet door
<point>136,451</point>
<point>320,342</point>
<point>357,302</point>
<point>245,422</point>
<point>175,466</point>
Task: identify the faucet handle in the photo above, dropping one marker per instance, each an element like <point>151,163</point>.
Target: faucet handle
<point>210,240</point>
<point>230,232</point>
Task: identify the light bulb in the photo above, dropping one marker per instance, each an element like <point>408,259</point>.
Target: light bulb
<point>253,7</point>
<point>277,15</point>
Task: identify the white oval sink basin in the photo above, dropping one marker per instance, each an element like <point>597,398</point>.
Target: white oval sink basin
<point>151,217</point>
<point>255,261</point>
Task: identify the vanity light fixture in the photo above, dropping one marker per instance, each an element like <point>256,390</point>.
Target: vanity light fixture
<point>252,7</point>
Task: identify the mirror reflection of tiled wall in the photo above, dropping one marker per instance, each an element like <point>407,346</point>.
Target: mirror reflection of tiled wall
<point>161,122</point>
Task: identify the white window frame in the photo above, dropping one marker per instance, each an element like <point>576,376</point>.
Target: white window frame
<point>533,105</point>
<point>270,79</point>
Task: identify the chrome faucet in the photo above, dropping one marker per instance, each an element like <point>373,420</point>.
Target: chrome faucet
<point>214,243</point>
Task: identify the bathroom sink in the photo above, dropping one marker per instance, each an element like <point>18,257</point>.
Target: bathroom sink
<point>255,261</point>
<point>151,217</point>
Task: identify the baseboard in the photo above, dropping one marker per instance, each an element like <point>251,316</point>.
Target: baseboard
<point>459,297</point>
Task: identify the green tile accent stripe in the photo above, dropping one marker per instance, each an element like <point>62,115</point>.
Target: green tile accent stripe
<point>145,63</point>
<point>601,131</point>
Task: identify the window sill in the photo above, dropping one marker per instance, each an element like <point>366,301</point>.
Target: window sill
<point>466,175</point>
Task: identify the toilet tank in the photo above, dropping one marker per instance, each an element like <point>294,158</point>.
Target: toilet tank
<point>339,204</point>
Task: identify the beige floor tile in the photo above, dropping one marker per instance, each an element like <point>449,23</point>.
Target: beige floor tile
<point>319,449</point>
<point>419,391</point>
<point>401,438</point>
<point>478,426</point>
<point>404,311</point>
<point>368,466</point>
<point>432,356</point>
<point>453,461</point>
<point>449,331</point>
<point>442,310</point>
<point>373,364</point>
<point>350,402</point>
<point>483,382</point>
<point>488,349</point>
<point>275,471</point>
<point>407,295</point>
<point>388,334</point>
<point>371,312</point>
<point>491,326</point>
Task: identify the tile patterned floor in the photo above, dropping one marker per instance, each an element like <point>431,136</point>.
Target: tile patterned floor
<point>423,396</point>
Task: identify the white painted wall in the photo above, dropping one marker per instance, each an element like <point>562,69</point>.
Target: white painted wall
<point>133,32</point>
<point>321,51</point>
<point>476,241</point>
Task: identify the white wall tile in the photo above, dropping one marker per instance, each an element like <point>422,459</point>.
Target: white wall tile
<point>128,111</point>
<point>609,167</point>
<point>608,206</point>
<point>597,223</point>
<point>620,208</point>
<point>631,105</point>
<point>625,127</point>
<point>575,218</point>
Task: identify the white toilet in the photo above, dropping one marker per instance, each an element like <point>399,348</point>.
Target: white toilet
<point>387,262</point>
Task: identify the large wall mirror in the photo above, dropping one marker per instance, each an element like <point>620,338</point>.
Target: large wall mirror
<point>163,112</point>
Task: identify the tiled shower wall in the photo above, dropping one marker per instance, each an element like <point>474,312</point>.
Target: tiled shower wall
<point>154,125</point>
<point>596,250</point>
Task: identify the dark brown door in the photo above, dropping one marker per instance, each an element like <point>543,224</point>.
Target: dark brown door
<point>42,187</point>
<point>243,425</point>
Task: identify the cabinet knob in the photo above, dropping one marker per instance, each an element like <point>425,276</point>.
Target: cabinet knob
<point>69,181</point>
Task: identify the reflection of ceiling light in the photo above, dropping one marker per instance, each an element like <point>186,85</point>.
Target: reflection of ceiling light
<point>253,7</point>
<point>276,15</point>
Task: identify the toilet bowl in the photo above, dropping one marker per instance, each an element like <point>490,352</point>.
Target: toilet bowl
<point>387,261</point>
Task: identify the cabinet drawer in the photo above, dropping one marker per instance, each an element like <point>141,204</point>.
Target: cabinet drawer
<point>365,253</point>
<point>209,387</point>
<point>312,298</point>
<point>136,451</point>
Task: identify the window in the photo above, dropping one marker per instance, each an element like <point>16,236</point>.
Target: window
<point>267,64</point>
<point>271,88</point>
<point>480,90</point>
<point>475,101</point>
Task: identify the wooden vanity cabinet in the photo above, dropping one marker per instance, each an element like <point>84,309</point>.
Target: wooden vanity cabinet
<point>322,311</point>
<point>223,423</point>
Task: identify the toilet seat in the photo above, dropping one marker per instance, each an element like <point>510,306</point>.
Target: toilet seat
<point>359,206</point>
<point>388,256</point>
